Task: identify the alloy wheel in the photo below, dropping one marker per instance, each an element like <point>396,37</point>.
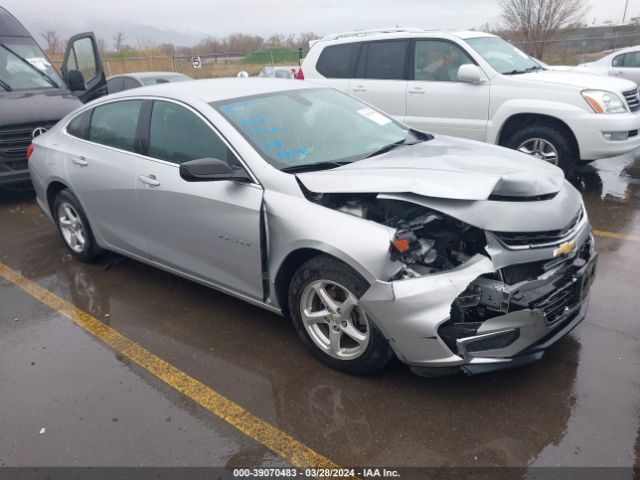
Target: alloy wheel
<point>541,148</point>
<point>71,226</point>
<point>332,317</point>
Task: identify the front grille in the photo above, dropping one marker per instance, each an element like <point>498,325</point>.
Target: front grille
<point>556,304</point>
<point>14,141</point>
<point>631,96</point>
<point>549,238</point>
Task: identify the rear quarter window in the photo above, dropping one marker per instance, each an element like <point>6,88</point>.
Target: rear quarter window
<point>79,126</point>
<point>338,61</point>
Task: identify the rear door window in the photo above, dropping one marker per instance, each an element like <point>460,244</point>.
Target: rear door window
<point>115,84</point>
<point>130,83</point>
<point>386,60</point>
<point>338,61</point>
<point>115,124</point>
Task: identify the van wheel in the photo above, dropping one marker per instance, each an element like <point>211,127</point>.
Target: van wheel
<point>324,301</point>
<point>74,227</point>
<point>547,143</point>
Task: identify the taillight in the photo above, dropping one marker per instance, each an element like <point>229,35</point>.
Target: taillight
<point>30,149</point>
<point>300,75</point>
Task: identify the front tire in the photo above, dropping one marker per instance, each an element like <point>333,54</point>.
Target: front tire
<point>74,227</point>
<point>547,143</point>
<point>324,304</point>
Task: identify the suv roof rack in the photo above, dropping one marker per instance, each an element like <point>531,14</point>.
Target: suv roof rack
<point>363,33</point>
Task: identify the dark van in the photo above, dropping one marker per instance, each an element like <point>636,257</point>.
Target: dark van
<point>33,96</point>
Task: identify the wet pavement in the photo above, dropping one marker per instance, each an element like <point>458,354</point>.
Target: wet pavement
<point>578,406</point>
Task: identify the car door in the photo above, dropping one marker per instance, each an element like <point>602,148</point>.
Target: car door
<point>82,55</point>
<point>101,163</point>
<point>381,76</point>
<point>437,101</point>
<point>626,66</point>
<point>209,230</point>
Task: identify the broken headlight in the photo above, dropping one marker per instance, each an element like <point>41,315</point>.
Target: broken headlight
<point>435,241</point>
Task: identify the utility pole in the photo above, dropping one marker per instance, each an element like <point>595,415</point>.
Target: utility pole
<point>624,15</point>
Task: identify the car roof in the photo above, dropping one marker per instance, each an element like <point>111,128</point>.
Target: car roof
<point>146,74</point>
<point>211,90</point>
<point>371,35</point>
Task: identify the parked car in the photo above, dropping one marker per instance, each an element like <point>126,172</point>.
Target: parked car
<point>33,96</point>
<point>374,238</point>
<point>118,83</point>
<point>279,72</point>
<point>624,63</point>
<point>478,86</point>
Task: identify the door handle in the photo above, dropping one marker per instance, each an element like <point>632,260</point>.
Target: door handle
<point>618,73</point>
<point>80,161</point>
<point>359,89</point>
<point>150,180</point>
<point>416,91</point>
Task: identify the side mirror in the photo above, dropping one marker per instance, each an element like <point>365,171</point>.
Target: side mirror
<point>469,73</point>
<point>243,74</point>
<point>210,170</point>
<point>75,81</point>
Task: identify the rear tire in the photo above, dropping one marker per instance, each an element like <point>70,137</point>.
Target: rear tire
<point>544,141</point>
<point>74,227</point>
<point>324,307</point>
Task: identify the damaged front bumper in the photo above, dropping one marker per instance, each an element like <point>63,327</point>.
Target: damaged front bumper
<point>477,318</point>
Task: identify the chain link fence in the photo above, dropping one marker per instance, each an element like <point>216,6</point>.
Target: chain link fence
<point>203,65</point>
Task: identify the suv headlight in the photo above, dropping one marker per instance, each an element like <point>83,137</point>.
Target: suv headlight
<point>602,101</point>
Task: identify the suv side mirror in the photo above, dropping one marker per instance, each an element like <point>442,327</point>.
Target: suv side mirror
<point>469,73</point>
<point>209,170</point>
<point>75,81</point>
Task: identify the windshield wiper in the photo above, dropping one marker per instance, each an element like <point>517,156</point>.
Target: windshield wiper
<point>5,86</point>
<point>525,70</point>
<point>27,62</point>
<point>413,137</point>
<point>309,167</point>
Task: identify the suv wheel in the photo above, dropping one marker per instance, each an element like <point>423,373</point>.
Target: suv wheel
<point>547,143</point>
<point>74,227</point>
<point>324,305</point>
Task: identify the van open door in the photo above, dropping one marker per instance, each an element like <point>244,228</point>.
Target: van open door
<point>82,68</point>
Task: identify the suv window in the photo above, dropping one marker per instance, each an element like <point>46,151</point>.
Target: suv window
<point>178,135</point>
<point>338,61</point>
<point>115,124</point>
<point>438,61</point>
<point>79,126</point>
<point>386,60</point>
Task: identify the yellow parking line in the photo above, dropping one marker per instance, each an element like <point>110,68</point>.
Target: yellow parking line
<point>619,236</point>
<point>271,437</point>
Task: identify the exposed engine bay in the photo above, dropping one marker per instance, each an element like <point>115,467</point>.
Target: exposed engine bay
<point>426,241</point>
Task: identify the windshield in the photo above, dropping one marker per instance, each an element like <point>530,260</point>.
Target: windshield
<point>164,79</point>
<point>309,127</point>
<point>502,56</point>
<point>24,66</point>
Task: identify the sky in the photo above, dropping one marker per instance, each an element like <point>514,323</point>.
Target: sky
<point>217,18</point>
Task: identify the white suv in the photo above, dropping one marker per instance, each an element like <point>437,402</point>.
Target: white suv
<point>478,86</point>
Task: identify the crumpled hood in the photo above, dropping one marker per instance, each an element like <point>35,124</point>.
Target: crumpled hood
<point>444,167</point>
<point>581,79</point>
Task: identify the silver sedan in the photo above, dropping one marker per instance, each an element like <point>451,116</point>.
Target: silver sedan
<point>377,240</point>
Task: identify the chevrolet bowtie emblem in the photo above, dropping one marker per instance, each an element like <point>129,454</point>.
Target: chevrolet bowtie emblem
<point>564,249</point>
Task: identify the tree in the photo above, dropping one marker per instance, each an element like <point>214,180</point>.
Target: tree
<point>536,22</point>
<point>118,41</point>
<point>54,45</point>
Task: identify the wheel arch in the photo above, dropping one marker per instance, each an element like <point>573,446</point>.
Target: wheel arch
<point>53,189</point>
<point>291,263</point>
<point>520,120</point>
